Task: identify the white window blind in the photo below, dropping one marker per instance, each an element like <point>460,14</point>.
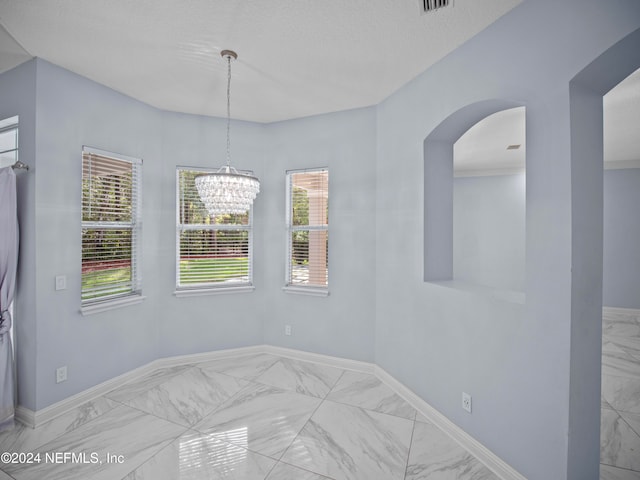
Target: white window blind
<point>8,141</point>
<point>212,251</point>
<point>308,228</point>
<point>111,226</point>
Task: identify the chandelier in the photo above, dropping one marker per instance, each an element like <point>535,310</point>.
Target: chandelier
<point>227,191</point>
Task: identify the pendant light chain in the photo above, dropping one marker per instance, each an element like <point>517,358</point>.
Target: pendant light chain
<point>228,110</point>
<point>227,191</point>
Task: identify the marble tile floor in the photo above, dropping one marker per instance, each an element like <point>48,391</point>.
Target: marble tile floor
<point>620,412</point>
<point>255,417</point>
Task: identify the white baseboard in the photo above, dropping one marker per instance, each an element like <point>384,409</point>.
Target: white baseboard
<point>343,363</point>
<point>633,312</point>
<point>25,416</point>
<point>208,356</point>
<point>483,454</point>
<point>466,441</point>
<point>34,419</point>
<point>621,164</point>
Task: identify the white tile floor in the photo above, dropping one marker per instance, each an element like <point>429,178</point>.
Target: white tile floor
<point>257,417</point>
<point>272,418</point>
<point>620,413</point>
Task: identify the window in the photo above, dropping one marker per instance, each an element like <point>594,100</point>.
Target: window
<point>308,230</point>
<point>8,141</point>
<point>214,253</point>
<point>111,194</point>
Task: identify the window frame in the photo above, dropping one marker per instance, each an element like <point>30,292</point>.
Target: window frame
<point>210,288</point>
<point>134,294</point>
<point>300,288</point>
<point>8,125</point>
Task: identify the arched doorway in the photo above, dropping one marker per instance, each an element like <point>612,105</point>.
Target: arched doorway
<point>586,109</point>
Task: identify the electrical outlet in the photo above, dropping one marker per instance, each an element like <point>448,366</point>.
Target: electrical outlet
<point>61,374</point>
<point>287,329</point>
<point>466,402</point>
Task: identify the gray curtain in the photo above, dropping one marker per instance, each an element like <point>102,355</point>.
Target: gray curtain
<point>8,265</point>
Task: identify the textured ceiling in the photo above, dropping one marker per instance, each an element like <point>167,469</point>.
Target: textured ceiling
<point>296,57</point>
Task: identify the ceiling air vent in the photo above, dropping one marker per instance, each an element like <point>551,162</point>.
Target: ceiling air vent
<point>433,5</point>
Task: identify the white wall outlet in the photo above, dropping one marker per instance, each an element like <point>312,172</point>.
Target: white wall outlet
<point>61,374</point>
<point>466,402</point>
<point>61,282</point>
<point>287,329</point>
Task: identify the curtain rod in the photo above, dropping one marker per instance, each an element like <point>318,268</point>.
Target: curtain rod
<point>20,165</point>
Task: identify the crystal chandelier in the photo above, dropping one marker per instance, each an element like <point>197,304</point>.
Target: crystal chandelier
<point>227,191</point>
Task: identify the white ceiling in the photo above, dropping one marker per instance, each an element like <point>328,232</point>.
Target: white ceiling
<point>621,121</point>
<point>483,148</point>
<point>296,57</point>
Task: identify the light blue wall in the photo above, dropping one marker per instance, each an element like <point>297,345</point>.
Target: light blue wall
<point>489,234</point>
<point>489,231</point>
<point>341,324</point>
<point>621,270</point>
<point>200,324</point>
<point>514,359</point>
<point>73,111</point>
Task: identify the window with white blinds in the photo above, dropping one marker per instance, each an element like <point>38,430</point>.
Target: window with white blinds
<point>213,252</point>
<point>111,226</point>
<point>308,228</point>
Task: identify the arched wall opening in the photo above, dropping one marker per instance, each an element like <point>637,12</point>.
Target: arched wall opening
<point>621,261</point>
<point>489,204</point>
<point>460,242</point>
<point>586,91</point>
<point>621,276</point>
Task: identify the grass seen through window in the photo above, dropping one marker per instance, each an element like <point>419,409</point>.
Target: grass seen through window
<point>203,270</point>
<point>92,281</point>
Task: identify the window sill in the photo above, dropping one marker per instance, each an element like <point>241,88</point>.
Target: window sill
<point>198,292</point>
<point>507,296</point>
<point>313,291</point>
<point>111,304</point>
